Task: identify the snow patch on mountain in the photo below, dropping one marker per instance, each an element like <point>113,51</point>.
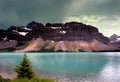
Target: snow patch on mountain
<point>23,33</point>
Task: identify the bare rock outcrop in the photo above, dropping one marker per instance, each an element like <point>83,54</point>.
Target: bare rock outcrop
<point>70,36</point>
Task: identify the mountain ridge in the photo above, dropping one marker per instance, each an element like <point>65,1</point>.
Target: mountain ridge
<point>115,40</point>
<point>67,34</point>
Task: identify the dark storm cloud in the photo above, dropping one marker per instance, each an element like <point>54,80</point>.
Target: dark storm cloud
<point>20,12</point>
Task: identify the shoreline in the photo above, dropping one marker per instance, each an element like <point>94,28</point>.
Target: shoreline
<point>8,75</point>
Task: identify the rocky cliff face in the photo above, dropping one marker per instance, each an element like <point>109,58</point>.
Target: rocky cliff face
<point>71,31</point>
<point>67,34</point>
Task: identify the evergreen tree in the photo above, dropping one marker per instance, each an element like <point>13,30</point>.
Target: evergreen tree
<point>24,70</point>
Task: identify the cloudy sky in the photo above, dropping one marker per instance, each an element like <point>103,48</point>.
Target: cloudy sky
<point>104,14</point>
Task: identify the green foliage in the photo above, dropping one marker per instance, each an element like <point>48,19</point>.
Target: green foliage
<point>25,73</point>
<point>81,50</point>
<point>26,80</point>
<point>7,50</point>
<point>35,79</point>
<point>24,70</point>
<point>20,80</point>
<point>32,80</point>
<point>20,44</point>
<point>47,50</point>
<point>59,51</point>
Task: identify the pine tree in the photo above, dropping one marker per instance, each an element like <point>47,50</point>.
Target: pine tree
<point>24,69</point>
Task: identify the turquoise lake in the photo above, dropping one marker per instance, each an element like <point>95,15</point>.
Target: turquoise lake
<point>68,67</point>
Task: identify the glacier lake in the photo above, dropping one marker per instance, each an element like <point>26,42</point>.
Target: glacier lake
<point>68,66</point>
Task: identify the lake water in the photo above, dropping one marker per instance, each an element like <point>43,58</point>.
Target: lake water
<point>68,67</point>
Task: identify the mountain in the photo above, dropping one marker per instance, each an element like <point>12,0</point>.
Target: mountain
<point>69,31</point>
<point>115,40</point>
<point>70,36</point>
<point>66,46</point>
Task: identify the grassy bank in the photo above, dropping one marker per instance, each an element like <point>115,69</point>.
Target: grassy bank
<point>26,80</point>
<point>32,80</point>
